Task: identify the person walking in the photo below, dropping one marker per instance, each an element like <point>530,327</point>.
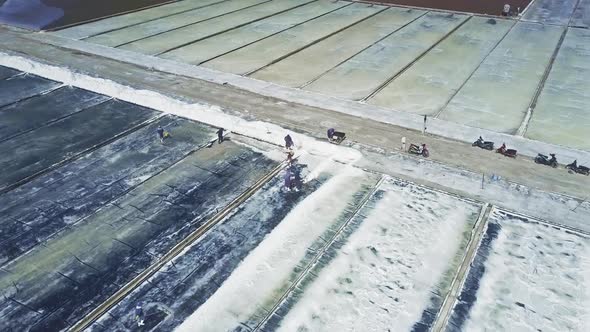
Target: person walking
<point>139,315</point>
<point>220,135</point>
<point>288,142</point>
<point>288,182</point>
<point>160,132</point>
<point>506,10</point>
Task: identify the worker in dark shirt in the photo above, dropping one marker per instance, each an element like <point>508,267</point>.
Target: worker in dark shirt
<point>288,142</point>
<point>160,132</point>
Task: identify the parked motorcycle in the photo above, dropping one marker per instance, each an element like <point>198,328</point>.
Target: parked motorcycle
<point>544,160</point>
<point>487,145</point>
<point>573,167</point>
<point>506,152</point>
<point>419,150</point>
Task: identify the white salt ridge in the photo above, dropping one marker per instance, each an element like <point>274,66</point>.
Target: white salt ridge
<point>257,280</point>
<point>537,278</point>
<point>208,114</point>
<point>383,277</point>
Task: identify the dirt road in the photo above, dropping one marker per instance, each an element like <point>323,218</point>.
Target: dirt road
<point>304,119</point>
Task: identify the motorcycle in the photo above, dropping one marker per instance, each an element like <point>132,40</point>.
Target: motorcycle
<point>573,167</point>
<point>544,160</point>
<point>421,151</point>
<point>506,152</point>
<point>487,145</point>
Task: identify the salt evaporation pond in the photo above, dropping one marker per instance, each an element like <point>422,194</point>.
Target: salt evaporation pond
<point>390,264</point>
<point>527,276</point>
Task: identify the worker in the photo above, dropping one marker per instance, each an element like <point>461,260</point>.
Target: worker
<point>331,133</point>
<point>160,132</point>
<point>288,142</point>
<point>139,315</point>
<point>506,10</point>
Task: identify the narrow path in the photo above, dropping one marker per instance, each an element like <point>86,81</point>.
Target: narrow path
<point>457,283</point>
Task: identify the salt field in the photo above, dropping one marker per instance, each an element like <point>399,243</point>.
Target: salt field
<point>367,279</point>
<point>269,50</point>
<point>173,38</point>
<point>38,15</point>
<point>305,258</point>
<point>427,86</point>
<point>138,32</point>
<point>581,16</point>
<point>165,166</point>
<point>499,92</point>
<point>336,49</point>
<point>6,72</point>
<point>527,276</point>
<point>224,43</point>
<point>452,66</point>
<point>17,87</point>
<point>134,18</point>
<point>550,11</point>
<point>68,242</point>
<point>25,116</point>
<point>138,197</point>
<point>173,291</point>
<point>368,70</point>
<point>564,103</point>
